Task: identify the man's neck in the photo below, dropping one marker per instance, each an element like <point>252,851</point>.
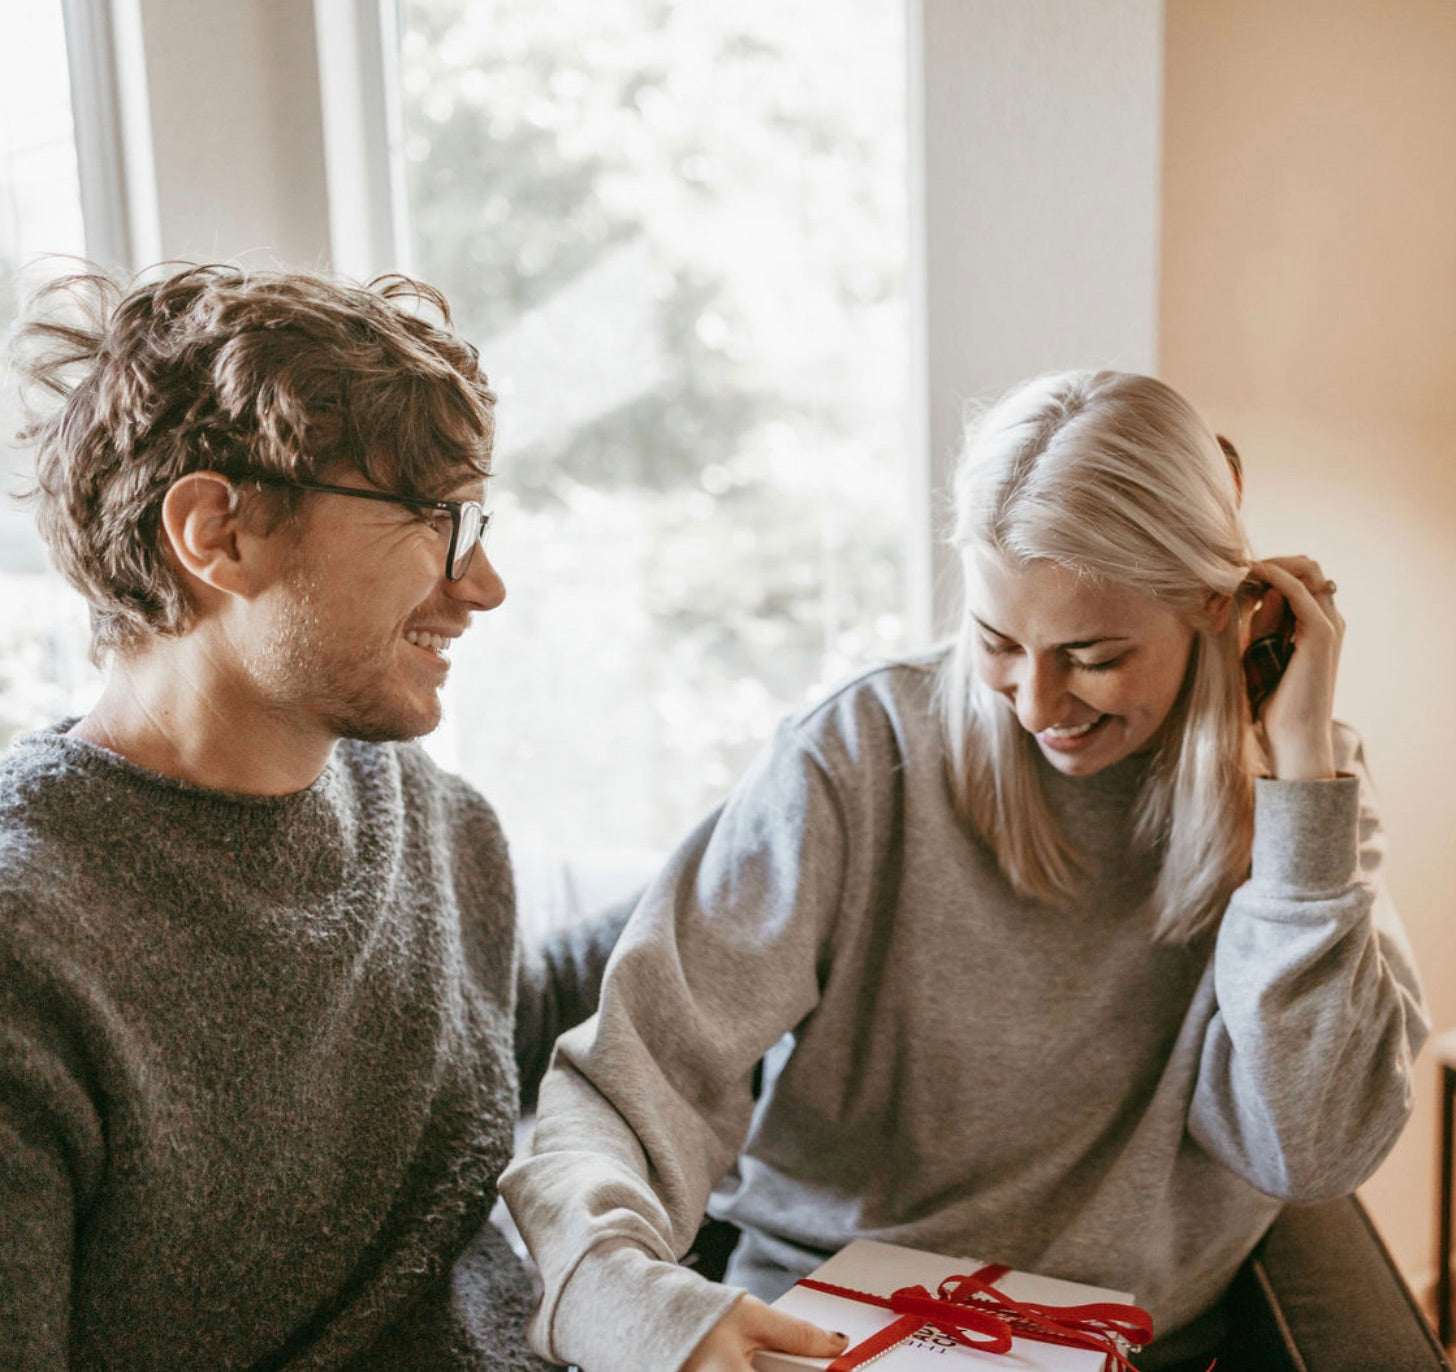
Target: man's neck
<point>170,710</point>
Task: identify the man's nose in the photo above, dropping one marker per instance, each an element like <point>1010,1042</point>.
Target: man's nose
<point>1040,695</point>
<point>481,586</point>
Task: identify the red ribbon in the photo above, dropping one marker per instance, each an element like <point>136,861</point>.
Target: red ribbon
<point>964,1306</point>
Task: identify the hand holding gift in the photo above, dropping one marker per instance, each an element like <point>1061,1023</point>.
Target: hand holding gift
<point>751,1327</point>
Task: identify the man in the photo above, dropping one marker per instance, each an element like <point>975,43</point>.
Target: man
<point>258,970</point>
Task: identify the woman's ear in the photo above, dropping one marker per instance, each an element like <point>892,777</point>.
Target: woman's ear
<point>1217,610</point>
<point>204,534</point>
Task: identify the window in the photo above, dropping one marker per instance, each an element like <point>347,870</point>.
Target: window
<point>677,233</point>
<point>44,672</point>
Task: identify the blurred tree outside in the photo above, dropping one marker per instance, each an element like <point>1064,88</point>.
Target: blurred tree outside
<point>676,230</point>
<point>44,670</point>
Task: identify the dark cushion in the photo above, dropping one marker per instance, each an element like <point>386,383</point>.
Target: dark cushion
<point>1321,1294</point>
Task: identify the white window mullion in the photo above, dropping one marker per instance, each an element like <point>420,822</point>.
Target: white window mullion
<point>113,132</point>
<point>359,90</point>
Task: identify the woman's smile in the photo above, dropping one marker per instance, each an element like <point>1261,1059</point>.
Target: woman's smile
<point>1092,671</point>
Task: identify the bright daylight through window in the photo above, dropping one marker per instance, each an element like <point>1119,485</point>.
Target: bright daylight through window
<point>677,233</point>
<point>44,672</point>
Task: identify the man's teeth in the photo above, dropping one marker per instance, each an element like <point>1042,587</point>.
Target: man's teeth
<point>1073,730</point>
<point>436,641</point>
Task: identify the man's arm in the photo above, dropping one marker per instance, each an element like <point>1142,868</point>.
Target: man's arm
<point>47,1131</point>
<point>36,1227</point>
<point>558,986</point>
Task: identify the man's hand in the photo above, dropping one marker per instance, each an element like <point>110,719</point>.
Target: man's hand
<point>749,1326</point>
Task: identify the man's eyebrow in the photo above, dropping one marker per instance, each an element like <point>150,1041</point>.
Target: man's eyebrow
<point>472,487</point>
<point>1076,644</point>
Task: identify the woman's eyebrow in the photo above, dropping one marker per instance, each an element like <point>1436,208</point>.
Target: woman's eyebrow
<point>1093,642</point>
<point>1073,646</point>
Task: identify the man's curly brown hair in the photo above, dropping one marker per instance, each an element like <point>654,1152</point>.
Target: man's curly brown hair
<point>249,374</point>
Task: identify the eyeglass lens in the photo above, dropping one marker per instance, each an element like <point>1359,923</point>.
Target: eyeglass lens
<point>472,524</point>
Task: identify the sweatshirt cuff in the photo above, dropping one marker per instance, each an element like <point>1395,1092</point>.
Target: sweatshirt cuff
<point>623,1310</point>
<point>1306,834</point>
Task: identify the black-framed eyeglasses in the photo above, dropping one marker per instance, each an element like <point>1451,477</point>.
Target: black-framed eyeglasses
<point>469,519</point>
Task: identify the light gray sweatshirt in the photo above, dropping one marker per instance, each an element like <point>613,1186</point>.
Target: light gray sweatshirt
<point>968,1071</point>
<point>256,1068</point>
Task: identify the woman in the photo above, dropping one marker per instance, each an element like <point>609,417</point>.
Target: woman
<point>1084,969</point>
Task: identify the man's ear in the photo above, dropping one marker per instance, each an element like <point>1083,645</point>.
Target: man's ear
<point>207,536</point>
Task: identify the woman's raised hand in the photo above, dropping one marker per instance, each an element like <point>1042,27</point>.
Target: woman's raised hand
<point>749,1327</point>
<point>1297,716</point>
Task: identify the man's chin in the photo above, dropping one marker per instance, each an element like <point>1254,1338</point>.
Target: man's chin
<point>400,725</point>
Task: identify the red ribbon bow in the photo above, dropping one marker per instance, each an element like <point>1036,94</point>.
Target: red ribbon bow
<point>970,1305</point>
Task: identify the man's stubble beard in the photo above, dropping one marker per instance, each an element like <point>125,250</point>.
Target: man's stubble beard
<point>306,668</point>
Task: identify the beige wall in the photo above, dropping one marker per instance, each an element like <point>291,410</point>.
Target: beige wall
<point>1308,306</point>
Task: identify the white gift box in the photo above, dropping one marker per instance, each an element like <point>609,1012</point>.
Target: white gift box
<point>882,1268</point>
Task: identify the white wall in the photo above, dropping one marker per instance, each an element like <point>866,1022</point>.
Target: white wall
<point>1037,212</point>
<point>233,96</point>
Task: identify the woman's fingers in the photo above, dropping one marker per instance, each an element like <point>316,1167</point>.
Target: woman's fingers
<point>1297,714</point>
<point>749,1327</point>
<point>1303,585</point>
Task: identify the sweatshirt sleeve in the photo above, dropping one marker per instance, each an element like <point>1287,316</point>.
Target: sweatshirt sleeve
<point>647,1105</point>
<point>1306,1078</point>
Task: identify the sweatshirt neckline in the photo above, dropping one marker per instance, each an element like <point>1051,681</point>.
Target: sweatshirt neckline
<point>1123,778</point>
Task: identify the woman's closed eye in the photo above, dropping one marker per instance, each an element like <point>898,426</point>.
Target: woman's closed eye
<point>1002,648</point>
<point>1105,666</point>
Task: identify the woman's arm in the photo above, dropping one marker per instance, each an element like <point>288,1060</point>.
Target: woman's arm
<point>648,1105</point>
<point>1306,1072</point>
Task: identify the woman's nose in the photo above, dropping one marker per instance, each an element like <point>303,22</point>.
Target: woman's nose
<point>1039,696</point>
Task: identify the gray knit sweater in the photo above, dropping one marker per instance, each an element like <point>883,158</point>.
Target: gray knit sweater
<point>969,1072</point>
<point>256,1069</point>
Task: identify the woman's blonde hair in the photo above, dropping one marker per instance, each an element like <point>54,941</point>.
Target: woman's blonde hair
<point>1116,477</point>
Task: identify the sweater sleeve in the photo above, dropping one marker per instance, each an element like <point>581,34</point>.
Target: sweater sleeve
<point>559,984</point>
<point>1306,1077</point>
<point>50,1144</point>
<point>647,1105</point>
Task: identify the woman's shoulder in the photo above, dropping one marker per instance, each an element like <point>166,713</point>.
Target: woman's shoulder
<point>885,711</point>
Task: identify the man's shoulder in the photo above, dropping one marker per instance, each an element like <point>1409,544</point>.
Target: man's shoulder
<point>437,804</point>
<point>410,767</point>
<point>47,808</point>
<point>41,786</point>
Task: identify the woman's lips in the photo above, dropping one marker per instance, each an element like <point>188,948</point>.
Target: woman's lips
<point>1071,738</point>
